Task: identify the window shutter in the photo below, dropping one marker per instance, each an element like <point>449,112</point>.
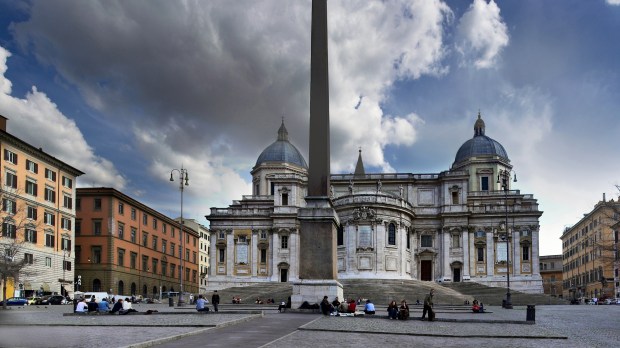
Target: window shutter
<point>6,154</point>
<point>16,161</point>
<point>4,228</point>
<point>36,168</point>
<point>36,189</point>
<point>53,220</point>
<point>13,206</point>
<point>69,245</point>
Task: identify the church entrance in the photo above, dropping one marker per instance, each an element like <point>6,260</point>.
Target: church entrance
<point>426,270</point>
<point>457,275</point>
<point>284,275</point>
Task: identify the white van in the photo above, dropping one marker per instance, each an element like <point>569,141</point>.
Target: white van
<point>98,296</point>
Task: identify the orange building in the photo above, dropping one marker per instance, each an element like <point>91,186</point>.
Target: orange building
<point>38,191</point>
<point>125,247</point>
<point>551,273</point>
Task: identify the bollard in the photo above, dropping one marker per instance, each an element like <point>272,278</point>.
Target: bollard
<point>531,313</point>
<point>170,302</point>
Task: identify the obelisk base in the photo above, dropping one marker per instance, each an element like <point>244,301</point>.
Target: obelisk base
<point>313,290</point>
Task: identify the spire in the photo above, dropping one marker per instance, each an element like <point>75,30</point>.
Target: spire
<point>282,132</point>
<point>479,126</point>
<point>359,167</point>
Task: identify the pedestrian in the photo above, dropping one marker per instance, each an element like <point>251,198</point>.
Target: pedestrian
<point>428,306</point>
<point>215,300</point>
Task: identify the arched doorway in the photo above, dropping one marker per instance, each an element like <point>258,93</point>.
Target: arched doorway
<point>121,287</point>
<point>133,289</point>
<point>96,285</point>
<point>155,294</point>
<point>144,290</point>
<point>283,268</point>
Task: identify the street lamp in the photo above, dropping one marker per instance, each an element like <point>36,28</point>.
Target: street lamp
<point>182,177</point>
<point>503,178</point>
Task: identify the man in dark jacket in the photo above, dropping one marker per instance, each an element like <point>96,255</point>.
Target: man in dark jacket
<point>428,306</point>
<point>215,300</point>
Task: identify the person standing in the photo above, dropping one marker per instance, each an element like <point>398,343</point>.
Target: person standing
<point>215,300</point>
<point>428,306</point>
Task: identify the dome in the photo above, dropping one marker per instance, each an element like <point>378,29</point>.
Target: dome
<point>282,151</point>
<point>480,145</point>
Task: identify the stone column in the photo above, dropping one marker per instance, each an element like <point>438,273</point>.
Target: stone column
<point>230,253</point>
<point>255,254</point>
<point>490,254</point>
<point>466,260</point>
<point>446,276</point>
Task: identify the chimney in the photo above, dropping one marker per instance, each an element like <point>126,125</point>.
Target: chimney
<point>3,123</point>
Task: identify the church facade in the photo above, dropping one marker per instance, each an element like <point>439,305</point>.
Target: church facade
<point>463,224</point>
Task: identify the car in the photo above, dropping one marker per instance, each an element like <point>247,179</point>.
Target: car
<point>33,300</point>
<point>15,301</point>
<point>52,300</point>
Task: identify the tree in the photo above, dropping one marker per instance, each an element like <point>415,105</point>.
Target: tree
<point>607,246</point>
<point>17,229</point>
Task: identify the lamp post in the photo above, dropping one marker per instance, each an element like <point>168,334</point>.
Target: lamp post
<point>182,177</point>
<point>65,253</point>
<point>503,178</point>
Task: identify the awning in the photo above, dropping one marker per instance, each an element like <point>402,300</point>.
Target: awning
<point>32,285</point>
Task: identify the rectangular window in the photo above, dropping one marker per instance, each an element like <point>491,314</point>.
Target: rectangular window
<point>154,223</point>
<point>172,268</point>
<point>480,254</point>
<point>121,231</point>
<point>340,235</point>
<point>132,260</point>
<point>96,254</point>
<point>164,244</point>
<point>145,260</point>
<point>121,208</point>
<point>186,273</point>
<point>48,262</point>
<point>49,240</point>
<point>263,256</point>
<point>427,241</point>
<point>145,219</point>
<point>10,156</point>
<point>66,182</point>
<point>121,257</point>
<point>65,223</point>
<point>50,174</point>
<point>164,269</point>
<point>194,257</point>
<point>31,187</point>
<point>97,227</point>
<point>133,214</point>
<point>455,197</point>
<point>50,195</point>
<point>9,206</point>
<point>526,253</point>
<point>67,265</point>
<point>66,244</point>
<point>172,232</point>
<point>67,201</point>
<point>284,242</point>
<point>263,235</point>
<point>194,276</point>
<point>456,241</point>
<point>222,254</point>
<point>154,263</point>
<point>29,258</point>
<point>285,199</point>
<point>32,167</point>
<point>186,253</point>
<point>11,180</point>
<point>97,204</point>
<point>78,227</point>
<point>133,234</point>
<point>145,239</point>
<point>164,227</point>
<point>30,235</point>
<point>484,183</point>
<point>154,242</point>
<point>49,219</point>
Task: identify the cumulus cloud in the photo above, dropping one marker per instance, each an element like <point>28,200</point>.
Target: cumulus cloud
<point>481,34</point>
<point>37,120</point>
<point>613,2</point>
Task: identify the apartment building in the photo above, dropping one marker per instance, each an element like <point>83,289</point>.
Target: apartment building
<point>125,247</point>
<point>590,254</point>
<point>38,215</point>
<point>203,253</point>
<point>551,273</point>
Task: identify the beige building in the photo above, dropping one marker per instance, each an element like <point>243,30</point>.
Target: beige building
<point>38,218</point>
<point>551,273</point>
<point>203,253</point>
<point>589,254</point>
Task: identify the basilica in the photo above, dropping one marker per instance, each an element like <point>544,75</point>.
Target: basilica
<point>466,224</point>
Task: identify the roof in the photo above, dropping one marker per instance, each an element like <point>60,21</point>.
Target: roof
<point>282,151</point>
<point>480,145</point>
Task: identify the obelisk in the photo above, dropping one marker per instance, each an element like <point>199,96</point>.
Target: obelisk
<point>318,270</point>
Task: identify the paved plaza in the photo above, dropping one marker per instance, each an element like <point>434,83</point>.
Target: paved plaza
<point>263,326</point>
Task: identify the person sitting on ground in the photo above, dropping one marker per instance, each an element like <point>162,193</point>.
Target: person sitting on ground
<point>201,304</point>
<point>417,301</point>
<point>281,306</point>
<point>81,307</point>
<point>403,311</point>
<point>343,308</point>
<point>335,304</point>
<point>369,308</point>
<point>258,301</point>
<point>127,306</point>
<point>351,308</point>
<point>104,306</point>
<point>118,307</point>
<point>392,310</point>
<point>326,307</point>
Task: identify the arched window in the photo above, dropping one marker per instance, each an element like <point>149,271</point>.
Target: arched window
<point>96,285</point>
<point>133,289</point>
<point>391,234</point>
<point>121,287</point>
<point>144,290</point>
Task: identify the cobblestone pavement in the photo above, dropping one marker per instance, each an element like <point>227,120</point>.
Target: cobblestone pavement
<point>582,326</point>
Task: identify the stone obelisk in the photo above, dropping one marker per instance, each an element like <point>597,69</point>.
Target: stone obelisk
<point>318,270</point>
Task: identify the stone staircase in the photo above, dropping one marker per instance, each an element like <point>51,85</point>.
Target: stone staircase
<point>248,294</point>
<point>494,296</point>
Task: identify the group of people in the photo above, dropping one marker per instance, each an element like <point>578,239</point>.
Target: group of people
<point>121,306</point>
<point>350,306</point>
<point>201,302</point>
<point>396,312</point>
<point>236,300</point>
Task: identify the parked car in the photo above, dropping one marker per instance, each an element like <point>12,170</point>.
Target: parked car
<point>52,300</point>
<point>15,301</point>
<point>33,300</point>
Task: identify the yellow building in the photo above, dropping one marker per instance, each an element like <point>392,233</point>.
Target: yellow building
<point>38,218</point>
<point>588,252</point>
<point>551,273</point>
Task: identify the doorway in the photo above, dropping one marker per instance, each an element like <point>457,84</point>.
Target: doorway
<point>426,270</point>
<point>284,275</point>
<point>457,275</point>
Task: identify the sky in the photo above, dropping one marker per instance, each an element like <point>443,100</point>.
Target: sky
<point>129,90</point>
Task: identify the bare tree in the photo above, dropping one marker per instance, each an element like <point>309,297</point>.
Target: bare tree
<point>607,247</point>
<point>17,229</point>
